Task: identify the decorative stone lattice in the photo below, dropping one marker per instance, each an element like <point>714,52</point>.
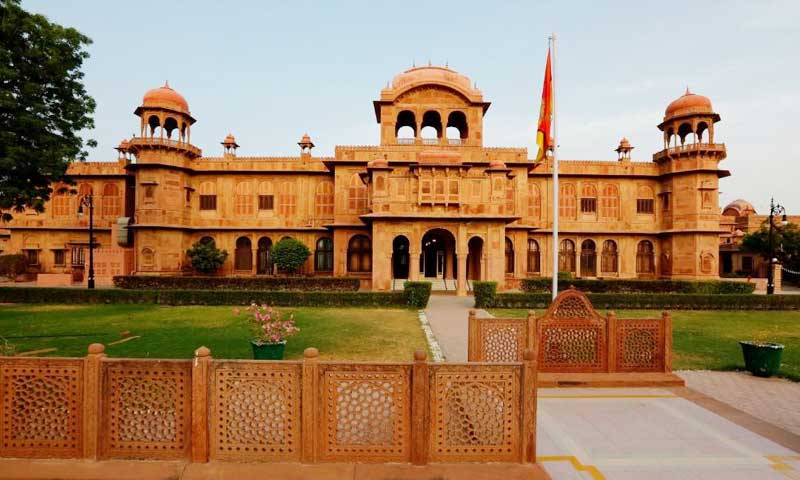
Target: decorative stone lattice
<point>474,413</point>
<point>503,341</point>
<point>257,410</point>
<point>640,345</point>
<point>366,413</point>
<point>572,346</point>
<point>573,307</point>
<point>42,408</point>
<point>147,409</point>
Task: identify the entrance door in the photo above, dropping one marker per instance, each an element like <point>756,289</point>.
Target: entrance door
<point>400,257</point>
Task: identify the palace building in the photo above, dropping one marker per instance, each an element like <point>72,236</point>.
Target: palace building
<point>430,201</point>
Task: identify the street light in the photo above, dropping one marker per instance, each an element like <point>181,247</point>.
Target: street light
<point>774,209</point>
<point>88,202</point>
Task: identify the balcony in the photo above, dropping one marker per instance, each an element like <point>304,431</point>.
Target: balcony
<point>138,142</point>
<point>688,149</point>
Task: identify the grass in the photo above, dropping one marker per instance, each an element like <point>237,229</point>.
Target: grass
<point>175,332</point>
<point>709,340</point>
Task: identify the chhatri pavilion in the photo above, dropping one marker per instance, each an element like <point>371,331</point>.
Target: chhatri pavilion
<point>429,201</point>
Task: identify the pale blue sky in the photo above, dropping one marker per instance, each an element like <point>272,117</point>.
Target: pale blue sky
<point>270,71</point>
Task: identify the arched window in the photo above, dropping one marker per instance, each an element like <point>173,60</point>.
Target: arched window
<point>609,262</point>
<point>170,125</point>
<point>534,256</point>
<point>431,127</point>
<point>287,200</point>
<point>359,254</point>
<point>707,262</point>
<point>61,200</point>
<point>323,255</point>
<point>111,200</point>
<point>324,200</point>
<point>356,195</point>
<point>264,256</point>
<point>684,131</point>
<point>588,258</point>
<point>701,129</point>
<point>645,258</point>
<point>589,199</point>
<point>509,256</point>
<point>243,199</point>
<point>208,241</point>
<point>567,201</point>
<point>244,254</point>
<point>566,256</point>
<point>609,202</point>
<point>153,122</point>
<point>645,200</point>
<point>406,127</point>
<point>457,129</point>
<point>534,202</point>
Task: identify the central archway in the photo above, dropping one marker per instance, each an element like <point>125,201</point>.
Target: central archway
<point>438,257</point>
<point>400,257</point>
<point>474,258</point>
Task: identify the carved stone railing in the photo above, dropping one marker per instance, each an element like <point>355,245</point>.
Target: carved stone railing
<point>572,337</point>
<point>285,411</point>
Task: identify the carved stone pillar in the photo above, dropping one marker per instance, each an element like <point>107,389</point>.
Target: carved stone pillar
<point>461,285</point>
<point>413,266</point>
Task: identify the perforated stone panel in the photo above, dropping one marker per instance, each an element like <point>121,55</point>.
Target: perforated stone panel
<point>365,412</point>
<point>475,413</point>
<point>502,341</point>
<point>573,307</point>
<point>41,408</point>
<point>255,411</point>
<point>147,409</point>
<point>572,346</point>
<point>640,345</point>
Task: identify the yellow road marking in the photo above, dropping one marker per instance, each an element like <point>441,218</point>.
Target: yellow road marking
<point>779,465</point>
<point>576,464</point>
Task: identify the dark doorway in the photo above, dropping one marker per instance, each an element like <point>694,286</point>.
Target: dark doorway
<point>438,259</point>
<point>400,257</point>
<point>475,247</point>
<point>264,266</point>
<point>727,262</point>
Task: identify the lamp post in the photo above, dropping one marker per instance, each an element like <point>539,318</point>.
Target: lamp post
<point>774,209</point>
<point>88,202</point>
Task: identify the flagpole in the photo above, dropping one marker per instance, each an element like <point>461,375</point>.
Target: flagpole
<point>555,167</point>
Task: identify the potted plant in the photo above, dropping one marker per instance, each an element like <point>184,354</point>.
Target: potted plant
<point>269,331</point>
<point>761,358</point>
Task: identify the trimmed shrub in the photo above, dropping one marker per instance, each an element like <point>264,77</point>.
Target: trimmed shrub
<point>201,297</point>
<point>290,254</point>
<point>714,287</point>
<point>485,293</point>
<point>238,283</point>
<point>657,301</point>
<point>206,257</point>
<point>417,293</point>
<point>12,266</point>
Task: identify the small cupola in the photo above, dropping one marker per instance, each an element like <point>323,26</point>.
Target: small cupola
<point>229,146</point>
<point>624,150</point>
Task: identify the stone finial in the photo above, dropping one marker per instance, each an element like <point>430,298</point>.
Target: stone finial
<point>97,348</point>
<point>529,354</point>
<point>202,352</point>
<point>310,352</point>
<point>420,355</point>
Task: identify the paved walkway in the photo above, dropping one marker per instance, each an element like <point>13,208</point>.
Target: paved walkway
<point>447,315</point>
<point>773,400</point>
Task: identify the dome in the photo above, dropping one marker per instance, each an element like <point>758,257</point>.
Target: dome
<point>165,97</point>
<point>431,74</point>
<point>229,140</point>
<point>738,207</point>
<point>123,145</point>
<point>689,103</point>
<point>306,138</point>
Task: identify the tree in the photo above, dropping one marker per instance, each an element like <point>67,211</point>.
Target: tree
<point>43,106</point>
<point>206,257</point>
<point>785,242</point>
<point>290,254</point>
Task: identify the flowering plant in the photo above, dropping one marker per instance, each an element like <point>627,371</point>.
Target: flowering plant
<point>267,325</point>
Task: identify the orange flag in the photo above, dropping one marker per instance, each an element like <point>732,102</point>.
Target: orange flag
<point>543,137</point>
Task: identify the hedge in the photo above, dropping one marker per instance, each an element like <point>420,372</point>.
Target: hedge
<point>659,301</point>
<point>315,284</point>
<point>203,297</point>
<point>715,287</point>
<point>484,292</point>
<point>417,293</point>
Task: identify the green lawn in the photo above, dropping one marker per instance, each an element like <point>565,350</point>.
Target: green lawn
<point>709,340</point>
<point>175,332</point>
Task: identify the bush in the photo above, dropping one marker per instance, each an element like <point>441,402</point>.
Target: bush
<point>657,301</point>
<point>201,297</point>
<point>206,257</point>
<point>417,293</point>
<point>290,254</point>
<point>238,283</point>
<point>485,293</point>
<point>715,287</point>
<point>12,266</point>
